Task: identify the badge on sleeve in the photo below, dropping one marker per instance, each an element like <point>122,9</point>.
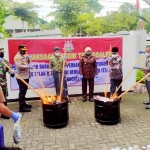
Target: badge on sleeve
<point>17,59</point>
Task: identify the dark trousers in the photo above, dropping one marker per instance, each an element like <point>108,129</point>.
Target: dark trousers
<point>57,81</point>
<point>84,87</point>
<point>22,91</point>
<point>148,88</point>
<point>114,84</point>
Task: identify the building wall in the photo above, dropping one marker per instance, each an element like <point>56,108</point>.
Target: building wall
<point>131,45</point>
<point>12,25</point>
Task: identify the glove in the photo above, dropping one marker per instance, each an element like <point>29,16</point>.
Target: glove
<point>141,52</point>
<point>12,74</point>
<point>50,77</point>
<point>81,77</point>
<point>29,57</point>
<point>96,76</point>
<point>15,71</point>
<point>30,66</point>
<point>136,67</point>
<point>1,59</point>
<point>15,116</point>
<point>64,57</point>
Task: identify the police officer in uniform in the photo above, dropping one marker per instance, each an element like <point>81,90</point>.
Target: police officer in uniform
<point>88,70</point>
<point>3,78</point>
<point>146,70</point>
<point>22,62</point>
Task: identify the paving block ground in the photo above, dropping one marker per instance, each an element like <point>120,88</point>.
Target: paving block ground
<point>83,132</point>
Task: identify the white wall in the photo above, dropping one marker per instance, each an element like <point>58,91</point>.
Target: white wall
<point>131,45</point>
<point>11,23</point>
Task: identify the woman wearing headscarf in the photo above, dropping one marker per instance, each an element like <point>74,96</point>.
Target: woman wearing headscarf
<point>88,70</point>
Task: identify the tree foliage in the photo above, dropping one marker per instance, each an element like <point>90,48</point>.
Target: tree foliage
<point>67,13</point>
<point>2,17</point>
<point>123,19</point>
<point>146,16</point>
<point>26,12</point>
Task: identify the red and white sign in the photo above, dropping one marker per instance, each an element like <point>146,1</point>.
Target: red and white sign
<point>41,49</point>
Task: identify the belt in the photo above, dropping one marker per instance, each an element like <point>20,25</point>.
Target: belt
<point>56,71</point>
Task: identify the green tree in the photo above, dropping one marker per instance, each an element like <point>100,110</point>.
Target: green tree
<point>67,12</point>
<point>146,15</point>
<point>49,26</point>
<point>2,17</point>
<point>123,19</point>
<point>26,12</point>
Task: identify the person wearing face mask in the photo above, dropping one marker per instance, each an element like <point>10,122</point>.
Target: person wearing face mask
<point>88,70</point>
<point>55,72</point>
<point>23,66</point>
<point>3,78</point>
<point>116,75</point>
<point>146,70</point>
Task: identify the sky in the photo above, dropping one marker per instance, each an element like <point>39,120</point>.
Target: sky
<point>109,5</point>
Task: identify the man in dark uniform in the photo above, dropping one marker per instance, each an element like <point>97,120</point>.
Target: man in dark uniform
<point>88,70</point>
<point>3,78</point>
<point>22,62</point>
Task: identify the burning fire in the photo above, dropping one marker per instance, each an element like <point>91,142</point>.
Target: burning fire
<point>49,99</point>
<point>113,97</point>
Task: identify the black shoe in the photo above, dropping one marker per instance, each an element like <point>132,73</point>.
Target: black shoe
<point>91,100</point>
<point>147,107</point>
<point>5,117</point>
<point>84,100</point>
<point>146,103</point>
<point>69,101</point>
<point>24,109</point>
<point>28,106</point>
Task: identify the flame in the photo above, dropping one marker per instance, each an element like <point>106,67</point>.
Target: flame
<point>47,99</point>
<point>59,98</point>
<point>114,96</point>
<point>105,93</point>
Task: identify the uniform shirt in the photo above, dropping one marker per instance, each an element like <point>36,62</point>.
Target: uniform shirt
<point>146,69</point>
<point>3,78</point>
<point>3,71</point>
<point>56,63</point>
<point>116,68</point>
<point>2,99</point>
<point>88,66</point>
<point>22,65</point>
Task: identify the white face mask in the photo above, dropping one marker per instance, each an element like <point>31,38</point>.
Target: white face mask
<point>147,54</point>
<point>57,54</point>
<point>114,55</point>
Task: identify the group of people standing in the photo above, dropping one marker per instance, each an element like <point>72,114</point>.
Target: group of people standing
<point>87,70</point>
